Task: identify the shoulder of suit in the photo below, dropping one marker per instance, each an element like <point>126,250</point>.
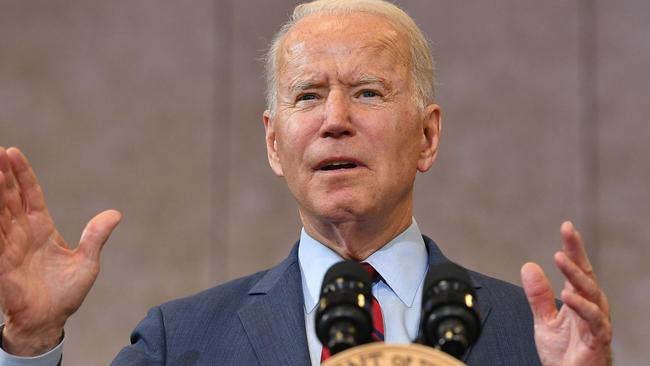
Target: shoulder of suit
<point>230,294</point>
<point>501,296</point>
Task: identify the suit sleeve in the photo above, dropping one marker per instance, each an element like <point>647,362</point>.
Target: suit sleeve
<point>148,347</point>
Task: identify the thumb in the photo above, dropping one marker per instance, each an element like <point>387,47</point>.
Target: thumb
<point>96,233</point>
<point>539,292</point>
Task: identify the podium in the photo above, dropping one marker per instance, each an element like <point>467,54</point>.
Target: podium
<point>381,354</point>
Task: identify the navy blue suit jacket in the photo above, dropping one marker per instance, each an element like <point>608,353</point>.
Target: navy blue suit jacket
<point>259,320</point>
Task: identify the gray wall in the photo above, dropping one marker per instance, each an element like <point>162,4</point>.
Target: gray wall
<point>155,107</point>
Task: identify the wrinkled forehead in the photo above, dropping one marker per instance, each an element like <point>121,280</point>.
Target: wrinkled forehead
<point>368,37</point>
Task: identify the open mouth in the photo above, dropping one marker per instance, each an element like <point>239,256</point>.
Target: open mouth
<point>336,165</point>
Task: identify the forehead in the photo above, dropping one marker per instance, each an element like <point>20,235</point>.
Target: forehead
<point>360,40</point>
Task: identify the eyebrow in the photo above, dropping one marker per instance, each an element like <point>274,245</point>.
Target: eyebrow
<point>369,79</point>
<point>299,85</point>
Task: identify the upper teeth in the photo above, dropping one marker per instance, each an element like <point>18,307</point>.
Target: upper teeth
<point>339,163</point>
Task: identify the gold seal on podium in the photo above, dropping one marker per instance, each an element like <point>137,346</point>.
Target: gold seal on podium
<point>381,354</point>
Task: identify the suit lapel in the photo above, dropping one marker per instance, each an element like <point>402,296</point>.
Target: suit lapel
<point>274,318</point>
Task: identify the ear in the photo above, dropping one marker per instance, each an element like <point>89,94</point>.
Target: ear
<point>272,143</point>
<point>431,129</point>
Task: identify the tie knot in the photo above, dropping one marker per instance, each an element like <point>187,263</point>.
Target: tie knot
<point>372,272</point>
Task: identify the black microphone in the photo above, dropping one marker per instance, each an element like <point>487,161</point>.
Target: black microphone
<point>344,313</point>
<point>450,321</point>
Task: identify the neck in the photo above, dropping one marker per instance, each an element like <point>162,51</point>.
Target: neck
<point>357,239</point>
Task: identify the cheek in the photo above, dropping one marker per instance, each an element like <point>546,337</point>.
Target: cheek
<point>293,140</point>
<point>400,154</point>
<point>399,142</point>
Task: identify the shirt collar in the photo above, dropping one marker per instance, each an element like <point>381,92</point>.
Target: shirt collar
<point>402,263</point>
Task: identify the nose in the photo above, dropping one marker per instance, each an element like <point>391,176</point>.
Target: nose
<point>337,120</point>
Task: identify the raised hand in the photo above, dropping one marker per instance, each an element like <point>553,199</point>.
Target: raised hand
<point>580,333</point>
<point>42,280</point>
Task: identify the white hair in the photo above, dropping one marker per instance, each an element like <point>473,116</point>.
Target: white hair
<point>421,62</point>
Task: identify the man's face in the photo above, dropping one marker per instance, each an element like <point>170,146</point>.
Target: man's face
<point>347,134</point>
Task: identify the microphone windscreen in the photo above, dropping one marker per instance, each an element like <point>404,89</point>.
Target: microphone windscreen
<point>344,312</point>
<point>350,270</point>
<point>447,271</point>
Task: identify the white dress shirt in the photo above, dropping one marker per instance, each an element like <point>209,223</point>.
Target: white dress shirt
<point>402,264</point>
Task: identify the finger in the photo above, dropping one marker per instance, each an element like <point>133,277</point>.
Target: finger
<point>27,182</point>
<point>3,241</point>
<point>579,280</point>
<point>4,215</point>
<point>96,233</point>
<point>539,292</point>
<point>4,162</point>
<point>574,248</point>
<point>12,199</point>
<point>4,166</point>
<point>598,321</point>
<point>5,218</point>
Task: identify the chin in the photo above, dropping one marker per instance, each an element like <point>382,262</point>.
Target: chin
<point>339,211</point>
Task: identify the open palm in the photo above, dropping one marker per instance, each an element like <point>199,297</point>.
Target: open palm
<point>42,281</point>
<point>580,332</point>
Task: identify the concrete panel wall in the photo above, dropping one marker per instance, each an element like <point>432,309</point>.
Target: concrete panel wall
<point>623,176</point>
<point>155,108</point>
<point>114,103</point>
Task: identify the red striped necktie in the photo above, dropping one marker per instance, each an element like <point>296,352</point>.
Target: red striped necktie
<point>377,317</point>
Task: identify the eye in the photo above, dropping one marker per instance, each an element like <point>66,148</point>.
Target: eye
<point>368,94</point>
<point>306,97</point>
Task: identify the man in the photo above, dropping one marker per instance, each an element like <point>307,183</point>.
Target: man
<point>351,119</point>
